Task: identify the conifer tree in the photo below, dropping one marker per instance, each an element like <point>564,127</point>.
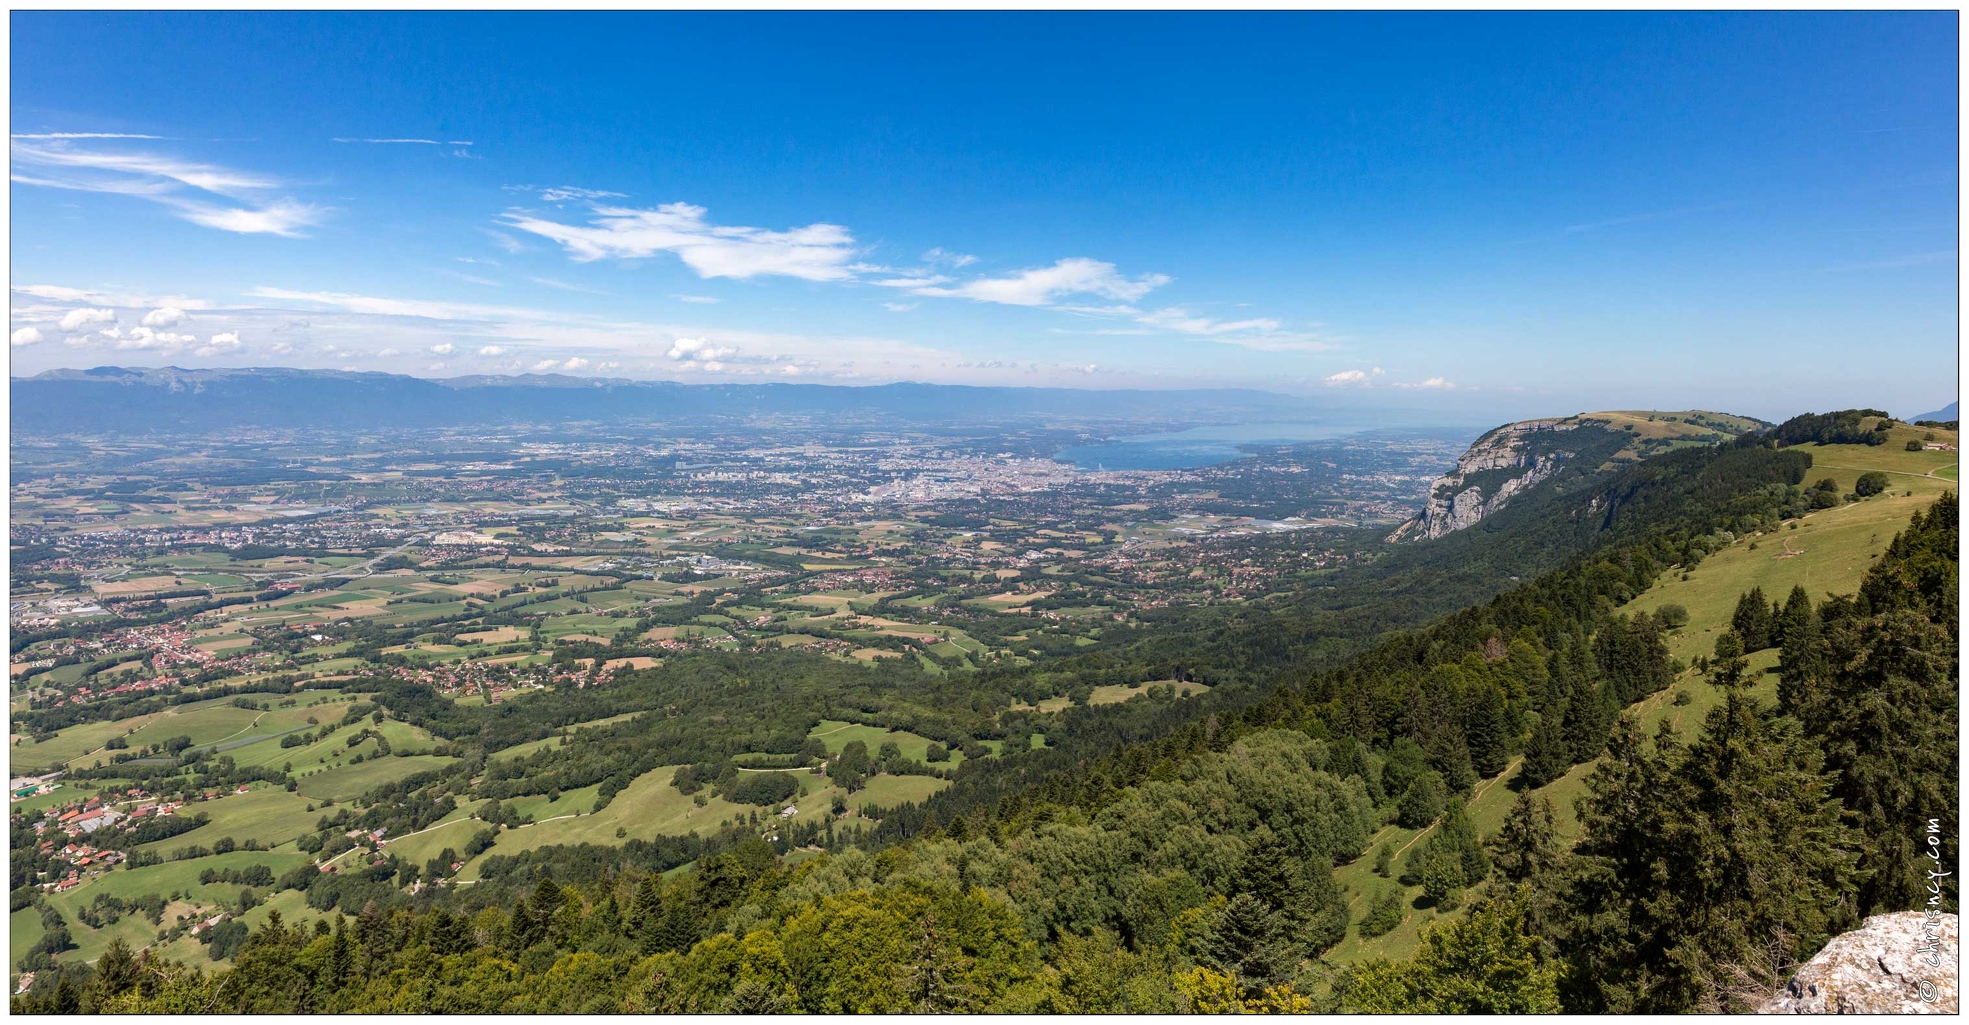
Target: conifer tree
<point>1802,657</point>
<point>1549,754</point>
<point>1527,844</point>
<point>1695,860</point>
<point>1727,670</point>
<point>1489,736</point>
<point>1886,715</point>
<point>1586,723</point>
<point>1753,620</point>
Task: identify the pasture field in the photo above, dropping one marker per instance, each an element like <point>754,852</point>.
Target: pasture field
<point>837,735</point>
<point>352,781</point>
<point>647,807</point>
<point>269,814</point>
<point>334,749</point>
<point>546,806</point>
<point>427,843</point>
<point>211,722</point>
<point>30,758</point>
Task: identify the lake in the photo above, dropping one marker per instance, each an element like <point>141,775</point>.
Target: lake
<point>1197,446</point>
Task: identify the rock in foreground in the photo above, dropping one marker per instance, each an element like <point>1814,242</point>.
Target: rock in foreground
<point>1893,964</point>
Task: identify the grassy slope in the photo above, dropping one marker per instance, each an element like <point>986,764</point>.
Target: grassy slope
<point>24,927</point>
<point>352,781</point>
<point>1838,546</point>
<point>216,721</point>
<point>268,814</point>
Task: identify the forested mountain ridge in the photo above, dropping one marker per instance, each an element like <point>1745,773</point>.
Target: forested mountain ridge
<point>1173,856</point>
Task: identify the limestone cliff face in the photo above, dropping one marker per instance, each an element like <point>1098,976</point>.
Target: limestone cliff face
<point>1456,501</point>
<point>1892,964</point>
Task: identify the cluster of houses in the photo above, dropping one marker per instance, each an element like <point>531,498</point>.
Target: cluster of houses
<point>74,823</point>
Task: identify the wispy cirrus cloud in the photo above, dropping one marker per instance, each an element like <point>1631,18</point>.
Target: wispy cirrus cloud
<point>566,286</point>
<point>943,256</point>
<point>816,252</point>
<point>410,142</point>
<point>460,147</point>
<point>1043,286</point>
<point>104,297</point>
<point>83,135</point>
<point>1175,318</point>
<point>205,194</point>
<point>1643,218</point>
<point>430,309</point>
<point>565,193</point>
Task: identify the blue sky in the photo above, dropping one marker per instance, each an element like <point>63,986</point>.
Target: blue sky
<point>1527,213</point>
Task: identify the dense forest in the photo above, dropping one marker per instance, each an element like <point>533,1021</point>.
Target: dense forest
<point>1177,855</point>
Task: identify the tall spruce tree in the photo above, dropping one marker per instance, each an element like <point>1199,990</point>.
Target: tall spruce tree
<point>1887,716</point>
<point>1586,723</point>
<point>1489,734</point>
<point>1526,846</point>
<point>1549,754</point>
<point>1729,670</point>
<point>1695,862</point>
<point>1802,654</point>
<point>1753,620</point>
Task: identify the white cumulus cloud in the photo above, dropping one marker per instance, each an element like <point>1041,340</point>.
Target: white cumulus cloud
<point>143,338</point>
<point>27,336</point>
<point>700,349</point>
<point>165,316</point>
<point>443,349</point>
<point>79,320</point>
<point>1348,377</point>
<point>493,350</point>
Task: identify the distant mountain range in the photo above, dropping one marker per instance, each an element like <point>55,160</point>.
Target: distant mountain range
<point>1942,415</point>
<point>144,399</point>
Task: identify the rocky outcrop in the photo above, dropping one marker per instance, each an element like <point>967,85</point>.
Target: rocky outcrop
<point>1892,964</point>
<point>1456,501</point>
